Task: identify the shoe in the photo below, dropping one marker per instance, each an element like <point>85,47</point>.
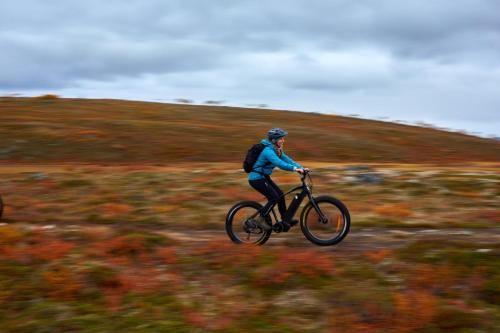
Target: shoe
<point>281,226</point>
<point>262,223</point>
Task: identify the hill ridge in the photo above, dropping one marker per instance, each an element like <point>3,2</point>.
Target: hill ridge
<point>38,130</point>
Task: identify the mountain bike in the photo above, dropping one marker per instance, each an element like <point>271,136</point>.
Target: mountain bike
<point>324,220</point>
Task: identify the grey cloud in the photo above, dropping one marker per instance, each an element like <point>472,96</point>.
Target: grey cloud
<point>58,60</point>
<point>340,54</point>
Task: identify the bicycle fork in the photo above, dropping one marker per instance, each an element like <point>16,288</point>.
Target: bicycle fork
<point>322,218</point>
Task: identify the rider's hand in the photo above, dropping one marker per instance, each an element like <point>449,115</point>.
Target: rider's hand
<point>299,170</point>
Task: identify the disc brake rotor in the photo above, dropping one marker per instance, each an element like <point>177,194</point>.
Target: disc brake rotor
<point>251,227</point>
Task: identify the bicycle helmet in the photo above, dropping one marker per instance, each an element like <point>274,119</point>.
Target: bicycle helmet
<point>276,133</point>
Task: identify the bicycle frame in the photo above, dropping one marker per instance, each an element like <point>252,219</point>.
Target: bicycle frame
<point>241,222</point>
<point>295,204</point>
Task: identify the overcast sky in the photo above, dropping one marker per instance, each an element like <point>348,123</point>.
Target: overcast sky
<point>433,61</point>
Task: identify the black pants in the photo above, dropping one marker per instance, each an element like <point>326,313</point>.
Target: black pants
<point>272,192</point>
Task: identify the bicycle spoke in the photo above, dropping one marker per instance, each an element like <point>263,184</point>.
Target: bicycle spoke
<point>334,226</point>
<point>242,227</point>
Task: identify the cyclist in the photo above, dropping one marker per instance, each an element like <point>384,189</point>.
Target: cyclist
<point>273,156</point>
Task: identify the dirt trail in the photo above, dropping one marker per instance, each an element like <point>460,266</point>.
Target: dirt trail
<point>358,241</point>
<point>373,239</point>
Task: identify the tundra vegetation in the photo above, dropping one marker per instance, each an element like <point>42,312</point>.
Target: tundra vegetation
<point>114,220</point>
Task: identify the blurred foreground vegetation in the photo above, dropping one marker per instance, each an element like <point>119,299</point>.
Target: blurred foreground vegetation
<point>142,249</point>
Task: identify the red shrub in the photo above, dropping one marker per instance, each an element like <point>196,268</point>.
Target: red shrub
<point>220,253</point>
<point>193,318</point>
<point>492,215</point>
<point>167,255</point>
<point>118,246</point>
<point>309,263</point>
<point>43,247</point>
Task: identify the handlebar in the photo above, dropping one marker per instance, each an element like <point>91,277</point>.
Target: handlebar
<point>305,174</point>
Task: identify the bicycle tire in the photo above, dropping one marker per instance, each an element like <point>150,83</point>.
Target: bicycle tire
<point>322,201</point>
<point>232,213</point>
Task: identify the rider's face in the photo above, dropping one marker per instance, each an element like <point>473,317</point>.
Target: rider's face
<point>280,142</point>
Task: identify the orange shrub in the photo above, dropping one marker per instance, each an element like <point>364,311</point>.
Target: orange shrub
<point>167,255</point>
<point>181,198</point>
<point>38,204</point>
<point>49,249</point>
<point>10,234</point>
<point>394,210</point>
<point>90,132</point>
<point>378,256</point>
<point>431,277</point>
<point>469,193</point>
<point>7,211</point>
<point>288,179</point>
<point>414,309</point>
<point>61,283</point>
<point>9,252</point>
<point>231,192</point>
<point>203,179</point>
<point>48,184</point>
<point>96,232</point>
<point>253,195</point>
<point>115,209</point>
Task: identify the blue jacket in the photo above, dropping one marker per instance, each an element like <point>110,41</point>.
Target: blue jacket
<point>269,159</point>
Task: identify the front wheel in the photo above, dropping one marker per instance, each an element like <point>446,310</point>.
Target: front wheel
<point>240,225</point>
<point>325,232</point>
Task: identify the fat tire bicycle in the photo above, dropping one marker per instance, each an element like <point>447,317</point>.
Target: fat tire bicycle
<point>324,220</point>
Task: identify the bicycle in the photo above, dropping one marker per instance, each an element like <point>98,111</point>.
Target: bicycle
<point>324,220</point>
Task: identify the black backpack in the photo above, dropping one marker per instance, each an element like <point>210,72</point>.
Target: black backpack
<point>252,156</point>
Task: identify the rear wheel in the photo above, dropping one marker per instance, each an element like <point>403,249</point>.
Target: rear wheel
<point>330,231</point>
<point>240,225</point>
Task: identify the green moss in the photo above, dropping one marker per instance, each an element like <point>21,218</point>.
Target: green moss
<point>76,183</point>
<point>491,289</point>
<point>101,276</point>
<point>456,320</point>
